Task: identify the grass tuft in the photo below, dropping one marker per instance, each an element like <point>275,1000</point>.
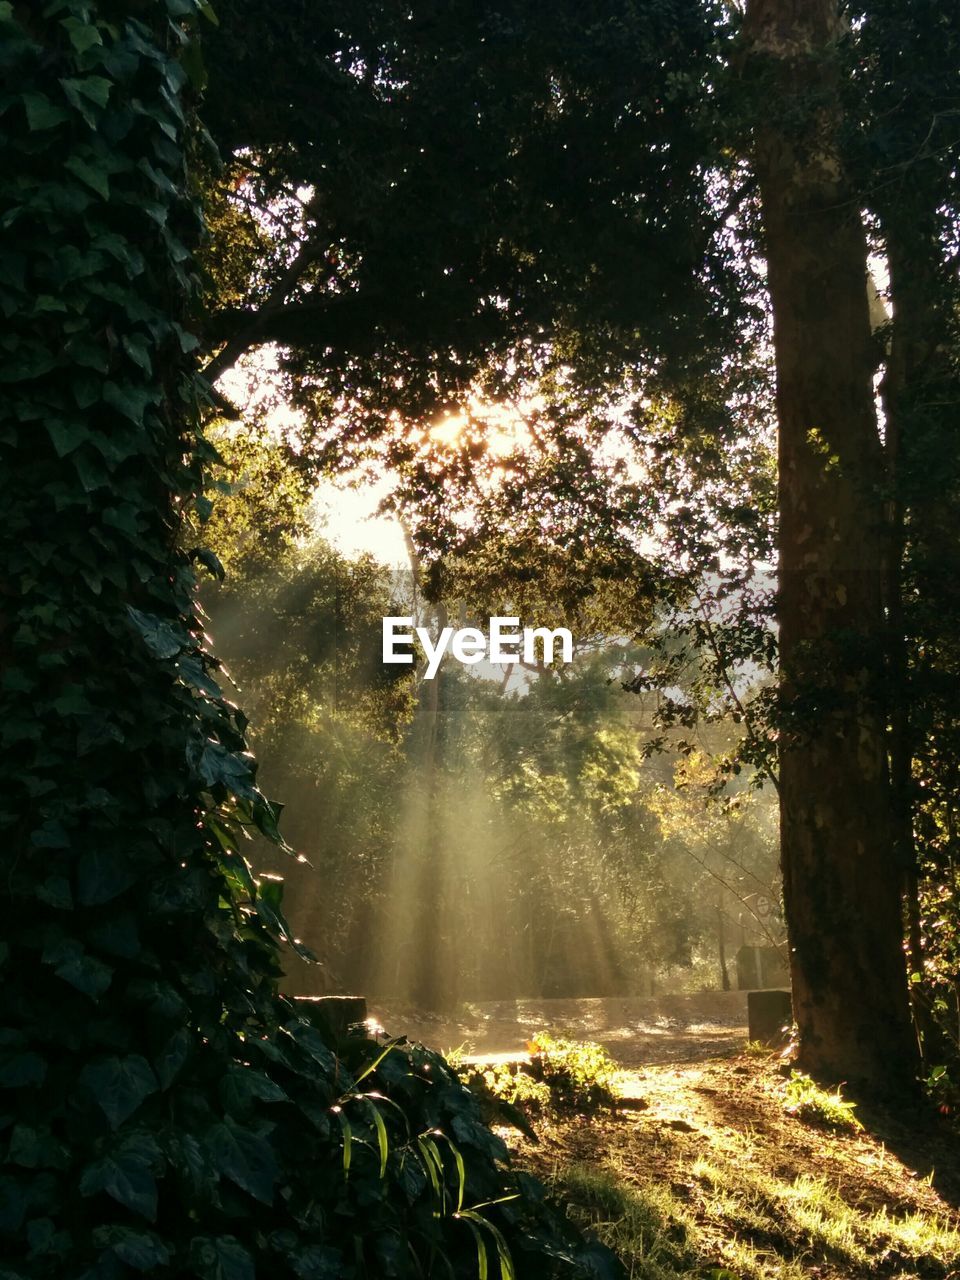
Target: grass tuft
<point>805,1099</point>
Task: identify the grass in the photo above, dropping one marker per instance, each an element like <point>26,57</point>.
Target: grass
<point>647,1228</point>
<point>713,1180</point>
<point>772,1227</point>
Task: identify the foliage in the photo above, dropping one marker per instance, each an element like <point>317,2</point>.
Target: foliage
<point>165,1110</point>
<point>430,183</point>
<point>517,1087</point>
<point>578,1073</point>
<point>508,1094</point>
<point>806,1100</point>
<point>565,1075</point>
<point>378,769</point>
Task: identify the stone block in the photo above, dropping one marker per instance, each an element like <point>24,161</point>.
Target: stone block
<point>769,1015</point>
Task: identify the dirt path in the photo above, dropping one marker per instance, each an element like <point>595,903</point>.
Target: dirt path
<point>633,1029</point>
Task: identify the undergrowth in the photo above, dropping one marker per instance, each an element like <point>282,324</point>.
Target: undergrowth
<point>578,1073</point>
<point>805,1099</point>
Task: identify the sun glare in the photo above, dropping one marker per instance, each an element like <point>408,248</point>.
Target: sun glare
<point>503,428</point>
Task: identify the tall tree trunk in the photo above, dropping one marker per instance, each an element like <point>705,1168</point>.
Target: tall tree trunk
<point>841,888</point>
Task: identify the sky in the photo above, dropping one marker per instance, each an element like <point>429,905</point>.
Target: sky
<point>347,517</point>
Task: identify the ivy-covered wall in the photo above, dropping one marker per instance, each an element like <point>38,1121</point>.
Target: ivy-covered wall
<point>162,1110</point>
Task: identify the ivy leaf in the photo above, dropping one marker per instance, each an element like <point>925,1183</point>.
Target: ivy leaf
<point>210,561</point>
<point>162,638</point>
<point>141,1250</point>
<point>220,1258</point>
<point>243,1157</point>
<point>73,965</point>
<point>42,113</point>
<point>56,892</point>
<point>218,765</point>
<point>101,877</point>
<point>120,1085</point>
<point>172,1056</point>
<point>83,35</point>
<point>127,1176</point>
<point>242,1085</point>
<point>52,835</point>
<point>66,435</point>
<point>95,89</point>
<point>128,400</point>
<point>35,1149</point>
<point>93,177</point>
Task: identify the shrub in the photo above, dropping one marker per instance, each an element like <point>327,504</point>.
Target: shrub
<point>579,1074</point>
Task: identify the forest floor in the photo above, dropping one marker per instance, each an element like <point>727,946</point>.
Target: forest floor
<point>704,1173</point>
<point>701,1172</point>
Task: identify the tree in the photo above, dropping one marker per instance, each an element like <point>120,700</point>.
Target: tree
<point>165,1110</point>
<point>841,882</point>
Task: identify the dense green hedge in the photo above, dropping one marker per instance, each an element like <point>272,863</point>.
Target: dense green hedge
<point>162,1110</point>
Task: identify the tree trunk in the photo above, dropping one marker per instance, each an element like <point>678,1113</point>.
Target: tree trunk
<point>841,888</point>
<point>722,945</point>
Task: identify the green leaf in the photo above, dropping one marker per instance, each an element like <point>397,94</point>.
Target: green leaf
<point>94,177</point>
<point>317,1262</point>
<point>242,1085</point>
<point>162,639</point>
<point>95,89</point>
<point>72,964</point>
<point>482,1261</point>
<point>42,113</point>
<point>210,561</point>
<point>383,1141</point>
<point>127,1177</point>
<point>101,877</point>
<point>83,35</point>
<point>35,1149</point>
<point>243,1157</point>
<point>129,400</point>
<point>138,351</point>
<point>66,435</point>
<point>141,1250</point>
<point>119,1085</point>
<point>347,1130</point>
<point>172,1056</point>
<point>220,1258</point>
<point>218,765</point>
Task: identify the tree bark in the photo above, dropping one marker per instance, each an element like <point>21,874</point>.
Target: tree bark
<point>841,887</point>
